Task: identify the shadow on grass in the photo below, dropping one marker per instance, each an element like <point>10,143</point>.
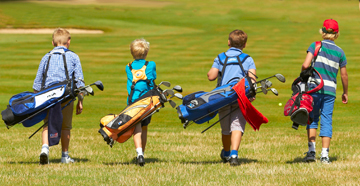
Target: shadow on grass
<point>301,160</point>
<point>50,161</point>
<point>133,161</point>
<point>241,161</point>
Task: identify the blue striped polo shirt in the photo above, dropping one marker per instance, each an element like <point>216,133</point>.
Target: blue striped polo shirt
<point>329,60</point>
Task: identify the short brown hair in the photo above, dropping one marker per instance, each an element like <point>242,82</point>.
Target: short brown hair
<point>237,39</point>
<point>60,36</point>
<point>139,48</point>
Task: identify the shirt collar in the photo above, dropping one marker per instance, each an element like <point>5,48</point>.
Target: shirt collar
<point>329,41</point>
<point>139,60</point>
<point>234,49</point>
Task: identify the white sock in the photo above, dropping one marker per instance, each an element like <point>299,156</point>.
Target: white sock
<point>325,152</point>
<point>45,148</point>
<point>139,152</point>
<point>312,146</point>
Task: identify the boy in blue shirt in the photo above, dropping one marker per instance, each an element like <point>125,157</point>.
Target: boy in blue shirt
<point>232,126</point>
<point>330,59</point>
<point>56,73</point>
<point>141,75</point>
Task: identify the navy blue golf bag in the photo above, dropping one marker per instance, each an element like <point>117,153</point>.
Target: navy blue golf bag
<point>30,108</point>
<point>201,106</point>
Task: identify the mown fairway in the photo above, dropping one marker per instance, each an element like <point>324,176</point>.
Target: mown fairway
<point>185,37</point>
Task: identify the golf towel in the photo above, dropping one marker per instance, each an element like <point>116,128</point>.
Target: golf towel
<point>55,124</point>
<point>252,116</point>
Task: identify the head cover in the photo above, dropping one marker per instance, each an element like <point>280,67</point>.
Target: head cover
<point>330,26</point>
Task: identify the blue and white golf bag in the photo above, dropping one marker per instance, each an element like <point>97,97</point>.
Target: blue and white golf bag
<point>201,106</point>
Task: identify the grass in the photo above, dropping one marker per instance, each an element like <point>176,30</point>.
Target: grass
<point>185,37</point>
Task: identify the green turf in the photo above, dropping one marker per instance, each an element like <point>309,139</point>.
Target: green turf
<point>185,37</point>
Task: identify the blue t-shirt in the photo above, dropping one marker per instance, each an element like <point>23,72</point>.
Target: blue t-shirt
<point>233,69</point>
<point>141,87</point>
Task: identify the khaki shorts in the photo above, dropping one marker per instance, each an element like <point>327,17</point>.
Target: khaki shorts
<point>67,116</point>
<point>232,122</point>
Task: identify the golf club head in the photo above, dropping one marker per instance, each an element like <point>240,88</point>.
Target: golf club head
<point>177,88</point>
<point>89,90</point>
<point>268,83</point>
<point>165,83</point>
<point>273,90</point>
<point>179,96</point>
<point>168,92</point>
<point>280,77</point>
<point>99,85</point>
<point>172,103</point>
<point>263,87</point>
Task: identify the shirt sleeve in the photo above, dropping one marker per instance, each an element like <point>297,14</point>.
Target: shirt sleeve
<point>250,64</point>
<point>40,72</point>
<point>78,73</point>
<point>311,48</point>
<point>216,63</point>
<point>343,61</point>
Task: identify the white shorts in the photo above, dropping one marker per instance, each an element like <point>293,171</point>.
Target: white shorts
<point>232,122</point>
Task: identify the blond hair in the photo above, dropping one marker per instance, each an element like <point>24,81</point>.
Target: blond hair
<point>328,36</point>
<point>238,39</point>
<point>139,48</point>
<point>61,36</point>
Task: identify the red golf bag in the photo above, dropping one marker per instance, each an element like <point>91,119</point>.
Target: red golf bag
<point>301,103</point>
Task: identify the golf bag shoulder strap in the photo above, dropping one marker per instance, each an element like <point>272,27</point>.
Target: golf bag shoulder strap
<point>57,51</point>
<point>138,75</point>
<point>223,57</point>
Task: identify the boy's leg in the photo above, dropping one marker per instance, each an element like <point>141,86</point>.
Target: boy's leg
<point>311,129</point>
<point>225,134</point>
<point>65,132</point>
<point>44,154</point>
<point>144,137</point>
<point>326,126</point>
<point>138,145</point>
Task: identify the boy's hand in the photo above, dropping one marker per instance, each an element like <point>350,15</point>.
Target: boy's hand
<point>252,99</point>
<point>79,107</point>
<point>344,98</point>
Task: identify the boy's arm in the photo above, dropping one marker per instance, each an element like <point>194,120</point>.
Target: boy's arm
<point>344,79</point>
<point>307,61</point>
<point>212,74</point>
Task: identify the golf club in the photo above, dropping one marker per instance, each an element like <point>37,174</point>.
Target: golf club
<point>280,77</point>
<point>168,92</point>
<point>263,87</point>
<point>273,90</point>
<point>172,103</point>
<point>178,88</point>
<point>99,85</point>
<point>177,95</point>
<point>165,83</point>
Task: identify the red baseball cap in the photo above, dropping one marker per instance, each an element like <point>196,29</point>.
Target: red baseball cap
<point>330,26</point>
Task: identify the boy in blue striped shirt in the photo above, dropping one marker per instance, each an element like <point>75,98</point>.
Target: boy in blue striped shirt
<point>330,59</point>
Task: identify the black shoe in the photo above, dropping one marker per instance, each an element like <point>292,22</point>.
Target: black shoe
<point>140,160</point>
<point>223,157</point>
<point>234,161</point>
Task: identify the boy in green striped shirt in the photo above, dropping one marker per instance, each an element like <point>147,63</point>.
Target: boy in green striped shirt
<point>330,59</point>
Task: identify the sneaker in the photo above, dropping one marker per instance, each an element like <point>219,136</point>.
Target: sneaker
<point>325,160</point>
<point>44,158</point>
<point>140,160</point>
<point>234,161</point>
<point>310,156</point>
<point>223,157</point>
<point>67,159</point>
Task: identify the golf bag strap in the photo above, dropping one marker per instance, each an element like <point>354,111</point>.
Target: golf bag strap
<point>241,58</point>
<point>47,68</point>
<point>221,74</point>
<point>135,81</point>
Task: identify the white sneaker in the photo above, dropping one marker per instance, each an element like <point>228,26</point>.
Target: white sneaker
<point>67,159</point>
<point>44,157</point>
